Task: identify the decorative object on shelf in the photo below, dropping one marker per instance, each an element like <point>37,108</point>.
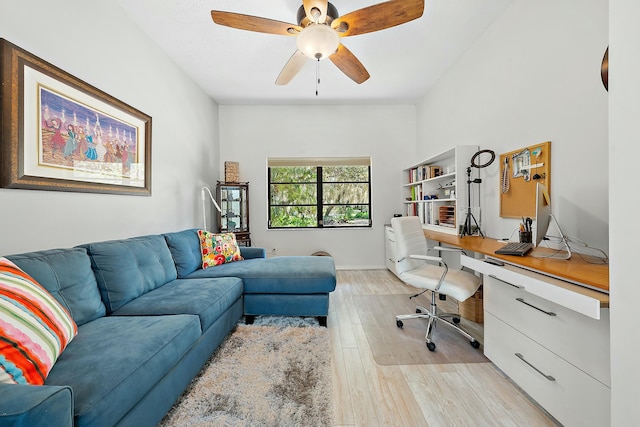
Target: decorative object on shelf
<point>231,171</point>
<point>60,133</point>
<point>467,229</point>
<point>204,209</point>
<point>234,203</point>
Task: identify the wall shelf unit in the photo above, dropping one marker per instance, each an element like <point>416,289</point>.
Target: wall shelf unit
<point>436,189</point>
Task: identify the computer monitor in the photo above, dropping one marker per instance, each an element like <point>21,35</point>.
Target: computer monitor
<point>543,213</point>
<point>543,219</point>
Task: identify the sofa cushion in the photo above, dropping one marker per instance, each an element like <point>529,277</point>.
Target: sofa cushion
<point>116,360</point>
<point>279,275</point>
<point>206,298</point>
<point>34,327</point>
<point>218,248</point>
<point>67,275</point>
<point>128,268</point>
<point>185,249</point>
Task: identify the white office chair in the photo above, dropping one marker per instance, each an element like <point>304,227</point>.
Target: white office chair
<point>416,268</point>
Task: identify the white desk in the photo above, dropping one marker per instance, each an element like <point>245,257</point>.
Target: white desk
<point>547,327</point>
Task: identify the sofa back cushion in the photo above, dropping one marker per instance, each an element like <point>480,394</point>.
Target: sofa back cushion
<point>128,268</point>
<point>67,275</point>
<point>185,248</point>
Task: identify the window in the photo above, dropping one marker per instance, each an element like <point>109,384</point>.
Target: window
<point>319,192</point>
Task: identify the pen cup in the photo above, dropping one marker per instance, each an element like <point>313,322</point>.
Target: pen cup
<point>525,237</point>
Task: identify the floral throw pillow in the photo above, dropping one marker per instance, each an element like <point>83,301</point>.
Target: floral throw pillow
<point>218,249</point>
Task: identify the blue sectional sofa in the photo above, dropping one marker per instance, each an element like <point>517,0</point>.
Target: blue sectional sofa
<point>148,318</point>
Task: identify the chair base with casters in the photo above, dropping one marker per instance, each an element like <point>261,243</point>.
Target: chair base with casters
<point>433,316</point>
<point>430,273</point>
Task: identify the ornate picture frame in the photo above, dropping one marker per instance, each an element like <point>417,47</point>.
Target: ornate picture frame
<point>59,133</point>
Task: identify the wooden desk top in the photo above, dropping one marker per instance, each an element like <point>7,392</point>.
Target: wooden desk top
<point>575,270</point>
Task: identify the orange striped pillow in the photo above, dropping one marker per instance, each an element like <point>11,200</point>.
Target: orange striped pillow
<point>34,327</point>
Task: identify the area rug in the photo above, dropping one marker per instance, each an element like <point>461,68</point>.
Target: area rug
<point>276,372</point>
<point>406,346</point>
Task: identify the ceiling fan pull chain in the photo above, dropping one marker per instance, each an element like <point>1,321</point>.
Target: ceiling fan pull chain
<point>317,75</point>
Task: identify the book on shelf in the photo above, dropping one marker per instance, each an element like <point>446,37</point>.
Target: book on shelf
<point>424,172</point>
<point>416,193</point>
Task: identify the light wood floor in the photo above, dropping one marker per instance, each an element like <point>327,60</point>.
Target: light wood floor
<point>368,394</point>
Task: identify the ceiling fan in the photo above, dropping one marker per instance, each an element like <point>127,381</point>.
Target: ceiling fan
<point>320,28</point>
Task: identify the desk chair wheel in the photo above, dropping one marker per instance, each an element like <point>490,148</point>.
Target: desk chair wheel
<point>475,344</point>
<point>456,320</point>
<point>399,323</point>
<point>431,346</point>
<point>418,311</point>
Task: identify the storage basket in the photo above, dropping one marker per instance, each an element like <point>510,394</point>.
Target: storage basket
<point>472,308</point>
<point>231,172</point>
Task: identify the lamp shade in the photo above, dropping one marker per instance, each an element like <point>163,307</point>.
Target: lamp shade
<point>318,41</point>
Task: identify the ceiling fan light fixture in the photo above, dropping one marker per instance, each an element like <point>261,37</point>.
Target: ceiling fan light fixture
<point>318,41</point>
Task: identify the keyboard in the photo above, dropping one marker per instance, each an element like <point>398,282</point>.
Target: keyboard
<point>515,248</point>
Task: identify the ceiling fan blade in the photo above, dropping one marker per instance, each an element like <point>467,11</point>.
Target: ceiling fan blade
<point>349,64</point>
<point>378,17</point>
<point>254,23</point>
<point>291,68</point>
<point>320,5</point>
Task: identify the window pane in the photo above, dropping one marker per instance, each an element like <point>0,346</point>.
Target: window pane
<point>345,174</point>
<point>300,189</point>
<point>351,215</point>
<point>294,174</point>
<point>294,216</point>
<point>345,193</point>
<point>294,194</point>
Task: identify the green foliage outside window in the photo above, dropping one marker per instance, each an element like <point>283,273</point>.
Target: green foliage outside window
<point>294,196</point>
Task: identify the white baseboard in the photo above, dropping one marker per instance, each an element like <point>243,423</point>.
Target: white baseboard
<point>361,267</point>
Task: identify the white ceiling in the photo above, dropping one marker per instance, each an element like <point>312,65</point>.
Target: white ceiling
<point>240,67</point>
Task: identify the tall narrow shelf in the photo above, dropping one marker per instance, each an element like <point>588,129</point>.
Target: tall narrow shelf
<point>234,203</point>
<point>442,180</point>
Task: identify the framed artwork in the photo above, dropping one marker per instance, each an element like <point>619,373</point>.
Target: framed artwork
<point>57,132</point>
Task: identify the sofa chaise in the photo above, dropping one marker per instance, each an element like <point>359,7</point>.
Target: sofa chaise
<point>148,319</point>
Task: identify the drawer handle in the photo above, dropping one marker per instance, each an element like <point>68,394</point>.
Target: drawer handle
<point>510,284</point>
<point>521,357</point>
<point>548,313</point>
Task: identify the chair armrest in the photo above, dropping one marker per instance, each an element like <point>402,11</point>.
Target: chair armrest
<point>427,258</point>
<point>249,252</point>
<point>29,405</point>
<point>442,248</point>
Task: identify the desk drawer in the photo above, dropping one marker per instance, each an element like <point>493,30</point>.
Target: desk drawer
<point>572,397</point>
<point>390,249</point>
<point>538,284</point>
<point>581,340</point>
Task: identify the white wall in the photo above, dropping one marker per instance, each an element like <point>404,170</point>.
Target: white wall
<point>96,42</point>
<point>624,152</point>
<point>534,76</point>
<point>251,134</point>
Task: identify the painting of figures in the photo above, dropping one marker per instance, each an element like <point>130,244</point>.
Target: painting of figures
<point>60,133</point>
<point>73,135</point>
